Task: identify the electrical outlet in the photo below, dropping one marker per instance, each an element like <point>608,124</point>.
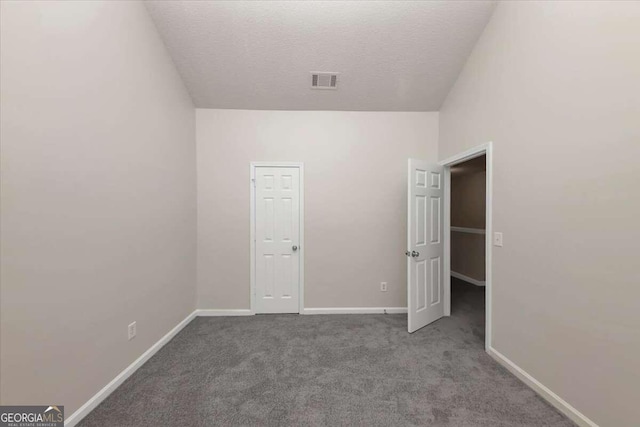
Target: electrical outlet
<point>383,286</point>
<point>131,330</point>
<point>497,239</point>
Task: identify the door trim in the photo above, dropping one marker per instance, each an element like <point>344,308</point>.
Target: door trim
<point>484,149</point>
<point>252,228</point>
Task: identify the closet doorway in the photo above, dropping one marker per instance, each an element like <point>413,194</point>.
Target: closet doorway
<point>467,243</point>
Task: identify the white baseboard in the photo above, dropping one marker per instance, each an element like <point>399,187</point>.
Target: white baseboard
<point>467,279</point>
<point>555,400</point>
<point>217,312</point>
<point>333,310</point>
<point>92,403</point>
<point>355,310</point>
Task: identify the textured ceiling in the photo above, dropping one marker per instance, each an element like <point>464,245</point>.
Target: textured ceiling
<point>391,56</point>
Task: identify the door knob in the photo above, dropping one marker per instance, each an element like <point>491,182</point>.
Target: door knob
<point>295,248</point>
<point>415,254</point>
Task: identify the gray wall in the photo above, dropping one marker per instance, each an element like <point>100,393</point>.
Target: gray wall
<point>98,214</point>
<point>355,200</point>
<point>556,87</point>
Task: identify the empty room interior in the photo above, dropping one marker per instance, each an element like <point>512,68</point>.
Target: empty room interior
<point>319,213</point>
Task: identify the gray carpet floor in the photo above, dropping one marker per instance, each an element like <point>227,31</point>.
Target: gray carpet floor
<point>332,370</point>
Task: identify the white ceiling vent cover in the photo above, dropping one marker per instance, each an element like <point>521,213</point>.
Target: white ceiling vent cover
<point>324,80</point>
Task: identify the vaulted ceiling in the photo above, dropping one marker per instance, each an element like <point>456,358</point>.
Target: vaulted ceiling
<point>391,55</point>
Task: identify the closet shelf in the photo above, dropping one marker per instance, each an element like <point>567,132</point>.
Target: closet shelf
<point>468,230</point>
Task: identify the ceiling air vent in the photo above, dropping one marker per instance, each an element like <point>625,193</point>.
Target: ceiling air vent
<point>324,80</point>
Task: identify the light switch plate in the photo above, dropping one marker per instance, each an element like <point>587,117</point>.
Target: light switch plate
<point>497,239</point>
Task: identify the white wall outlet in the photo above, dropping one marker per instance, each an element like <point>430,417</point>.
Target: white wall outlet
<point>497,239</point>
<point>131,330</point>
<point>383,286</point>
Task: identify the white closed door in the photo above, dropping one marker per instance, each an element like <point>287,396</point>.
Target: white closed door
<point>425,254</point>
<point>277,245</point>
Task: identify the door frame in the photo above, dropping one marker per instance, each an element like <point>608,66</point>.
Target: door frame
<point>252,226</point>
<point>484,149</point>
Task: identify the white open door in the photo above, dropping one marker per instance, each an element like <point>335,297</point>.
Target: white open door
<point>425,253</point>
